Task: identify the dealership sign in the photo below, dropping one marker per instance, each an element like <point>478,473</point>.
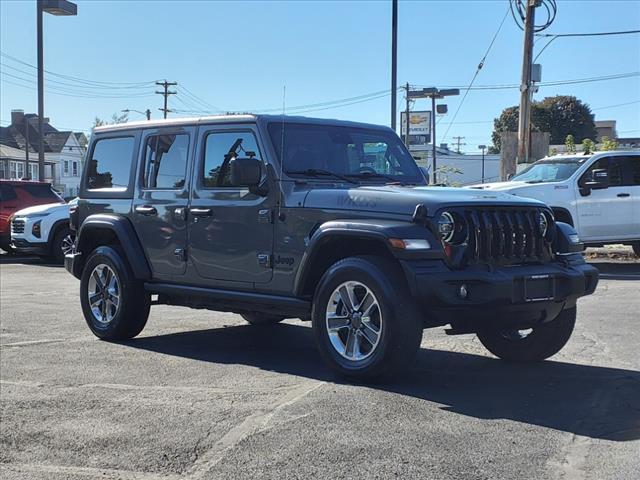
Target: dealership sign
<point>419,123</point>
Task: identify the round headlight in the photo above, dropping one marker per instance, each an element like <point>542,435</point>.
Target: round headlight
<point>446,227</point>
<point>543,223</point>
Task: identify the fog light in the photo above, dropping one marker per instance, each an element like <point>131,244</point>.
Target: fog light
<point>463,292</point>
<point>35,230</point>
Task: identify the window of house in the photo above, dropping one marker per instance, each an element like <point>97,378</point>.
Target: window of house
<point>75,169</point>
<point>33,171</point>
<point>110,163</point>
<point>65,170</point>
<point>16,170</point>
<point>165,163</point>
<point>220,148</point>
<point>3,173</point>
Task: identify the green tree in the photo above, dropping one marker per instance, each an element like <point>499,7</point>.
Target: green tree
<point>588,146</point>
<point>560,116</point>
<point>608,144</point>
<point>570,143</point>
<point>115,118</point>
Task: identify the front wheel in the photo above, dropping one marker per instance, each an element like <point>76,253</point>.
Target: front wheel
<point>365,323</point>
<point>532,345</point>
<point>114,302</point>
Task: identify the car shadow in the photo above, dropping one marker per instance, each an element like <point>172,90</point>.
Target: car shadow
<point>618,271</point>
<point>592,401</point>
<point>15,259</point>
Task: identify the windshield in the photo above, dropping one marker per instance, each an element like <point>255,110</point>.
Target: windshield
<point>351,153</point>
<point>549,170</point>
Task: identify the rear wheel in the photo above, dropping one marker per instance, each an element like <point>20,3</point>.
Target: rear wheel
<point>365,322</point>
<point>262,318</point>
<point>534,344</point>
<point>114,302</point>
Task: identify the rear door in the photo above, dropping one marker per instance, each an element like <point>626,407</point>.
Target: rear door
<point>161,198</point>
<point>633,183</point>
<point>606,214</point>
<point>230,228</point>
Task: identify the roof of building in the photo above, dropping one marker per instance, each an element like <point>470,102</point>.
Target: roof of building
<point>7,151</point>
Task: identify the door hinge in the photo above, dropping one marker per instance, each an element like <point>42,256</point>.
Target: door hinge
<point>265,215</point>
<point>264,260</point>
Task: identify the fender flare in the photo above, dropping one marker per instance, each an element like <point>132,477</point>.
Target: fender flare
<point>564,211</point>
<point>371,229</point>
<point>124,231</point>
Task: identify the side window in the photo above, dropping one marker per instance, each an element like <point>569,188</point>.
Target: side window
<point>633,167</point>
<point>7,192</point>
<point>110,163</point>
<point>612,164</point>
<point>220,148</point>
<point>165,161</point>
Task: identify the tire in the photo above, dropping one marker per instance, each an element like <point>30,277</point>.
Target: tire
<point>262,318</point>
<point>62,244</point>
<point>391,334</point>
<point>106,321</point>
<point>541,343</point>
<point>636,248</point>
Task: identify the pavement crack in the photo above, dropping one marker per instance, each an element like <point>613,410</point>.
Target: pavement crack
<point>251,425</point>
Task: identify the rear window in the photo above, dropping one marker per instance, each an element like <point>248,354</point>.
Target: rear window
<point>110,164</point>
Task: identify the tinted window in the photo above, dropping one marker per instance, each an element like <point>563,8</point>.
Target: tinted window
<point>612,164</point>
<point>366,153</point>
<point>7,193</point>
<point>165,161</point>
<point>633,164</point>
<point>110,163</point>
<point>41,191</point>
<point>220,148</point>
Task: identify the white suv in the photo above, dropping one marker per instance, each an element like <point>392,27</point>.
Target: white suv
<point>43,230</point>
<point>598,194</point>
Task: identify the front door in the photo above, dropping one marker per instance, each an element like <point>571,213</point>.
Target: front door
<point>230,228</point>
<point>606,214</point>
<point>161,200</point>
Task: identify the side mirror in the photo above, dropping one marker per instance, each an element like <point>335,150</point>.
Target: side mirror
<point>245,172</point>
<point>599,179</point>
<point>425,172</point>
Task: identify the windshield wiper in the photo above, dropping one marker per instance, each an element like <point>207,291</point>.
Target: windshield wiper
<point>315,172</point>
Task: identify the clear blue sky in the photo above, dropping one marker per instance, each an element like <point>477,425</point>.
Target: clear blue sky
<point>238,55</point>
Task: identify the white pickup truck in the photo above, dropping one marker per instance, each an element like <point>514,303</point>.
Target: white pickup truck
<point>599,194</point>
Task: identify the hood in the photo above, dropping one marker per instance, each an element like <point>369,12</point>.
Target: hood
<point>45,208</point>
<point>403,200</point>
<point>499,186</point>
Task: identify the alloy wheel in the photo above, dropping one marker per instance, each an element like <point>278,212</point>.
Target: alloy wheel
<point>104,294</point>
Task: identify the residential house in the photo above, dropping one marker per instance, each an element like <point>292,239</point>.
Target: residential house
<point>64,151</point>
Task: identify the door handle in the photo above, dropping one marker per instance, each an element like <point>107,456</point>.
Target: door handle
<point>623,195</point>
<point>200,212</point>
<point>146,210</point>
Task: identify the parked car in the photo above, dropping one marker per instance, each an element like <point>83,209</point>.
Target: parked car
<point>16,195</point>
<point>43,230</point>
<point>599,194</point>
<point>274,217</point>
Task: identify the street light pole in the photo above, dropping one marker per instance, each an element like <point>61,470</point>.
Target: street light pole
<point>146,113</point>
<point>433,134</point>
<point>482,147</point>
<point>58,8</point>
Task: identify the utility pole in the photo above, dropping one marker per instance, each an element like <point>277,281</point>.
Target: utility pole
<point>459,143</point>
<point>394,61</point>
<point>165,94</point>
<point>524,122</point>
<point>40,41</point>
<point>406,132</point>
<point>433,137</point>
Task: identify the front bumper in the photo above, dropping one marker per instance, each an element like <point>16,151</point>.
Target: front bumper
<point>517,295</point>
<point>73,265</point>
<point>24,246</point>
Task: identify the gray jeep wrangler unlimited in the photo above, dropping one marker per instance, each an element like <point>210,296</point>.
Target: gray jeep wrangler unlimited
<point>275,217</point>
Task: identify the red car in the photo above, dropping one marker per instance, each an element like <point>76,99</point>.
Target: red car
<point>16,195</point>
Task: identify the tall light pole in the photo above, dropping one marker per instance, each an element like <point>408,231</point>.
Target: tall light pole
<point>394,61</point>
<point>58,8</point>
<point>482,147</point>
<point>524,120</point>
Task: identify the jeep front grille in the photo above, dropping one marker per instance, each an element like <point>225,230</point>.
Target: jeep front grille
<point>505,236</point>
<point>17,225</point>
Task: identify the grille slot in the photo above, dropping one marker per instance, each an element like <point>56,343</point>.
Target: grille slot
<point>17,226</point>
<point>504,236</point>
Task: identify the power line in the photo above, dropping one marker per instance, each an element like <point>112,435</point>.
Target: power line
<point>591,34</point>
<point>475,75</point>
<point>617,105</point>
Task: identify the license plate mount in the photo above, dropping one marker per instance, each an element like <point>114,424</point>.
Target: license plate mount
<point>539,288</point>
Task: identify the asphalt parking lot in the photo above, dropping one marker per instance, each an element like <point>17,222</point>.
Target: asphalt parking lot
<point>202,395</point>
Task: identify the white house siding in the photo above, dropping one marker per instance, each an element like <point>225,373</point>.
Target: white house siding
<point>69,164</point>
